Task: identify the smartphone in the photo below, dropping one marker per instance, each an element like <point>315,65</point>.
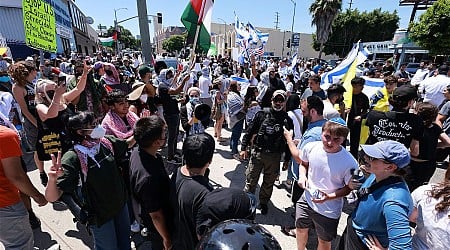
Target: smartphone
<point>61,80</point>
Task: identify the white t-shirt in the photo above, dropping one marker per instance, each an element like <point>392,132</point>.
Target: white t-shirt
<point>326,178</point>
<point>433,88</point>
<point>329,111</point>
<point>433,229</point>
<point>203,84</point>
<point>295,118</point>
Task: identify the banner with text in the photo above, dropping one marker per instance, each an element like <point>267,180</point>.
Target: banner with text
<point>40,25</point>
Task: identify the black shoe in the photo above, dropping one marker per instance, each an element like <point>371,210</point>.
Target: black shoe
<point>264,209</point>
<point>34,221</point>
<point>44,178</point>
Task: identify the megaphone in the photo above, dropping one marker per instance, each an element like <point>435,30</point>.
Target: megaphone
<point>202,111</point>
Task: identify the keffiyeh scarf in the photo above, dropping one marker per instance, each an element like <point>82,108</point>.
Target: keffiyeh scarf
<point>115,125</point>
<point>90,149</point>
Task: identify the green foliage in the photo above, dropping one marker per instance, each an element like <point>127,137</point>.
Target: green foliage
<point>125,37</point>
<point>174,43</point>
<point>353,25</point>
<point>432,31</point>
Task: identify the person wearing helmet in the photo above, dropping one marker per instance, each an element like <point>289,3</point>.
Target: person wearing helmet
<point>238,234</point>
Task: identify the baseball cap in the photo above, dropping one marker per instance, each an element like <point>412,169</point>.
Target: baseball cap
<point>136,91</point>
<point>144,70</point>
<point>390,151</point>
<point>223,204</point>
<point>279,92</point>
<point>405,92</point>
<point>98,65</point>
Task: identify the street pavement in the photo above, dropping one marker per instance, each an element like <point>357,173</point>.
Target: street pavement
<point>58,228</point>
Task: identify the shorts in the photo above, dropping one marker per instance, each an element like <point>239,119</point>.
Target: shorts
<point>31,134</point>
<point>306,217</point>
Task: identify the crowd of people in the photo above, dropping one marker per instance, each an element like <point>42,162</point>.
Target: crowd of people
<point>111,126</point>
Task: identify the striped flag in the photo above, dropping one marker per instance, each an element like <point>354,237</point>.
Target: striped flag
<point>199,12</point>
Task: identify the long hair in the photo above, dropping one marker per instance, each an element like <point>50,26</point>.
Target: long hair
<point>441,191</point>
<point>20,71</point>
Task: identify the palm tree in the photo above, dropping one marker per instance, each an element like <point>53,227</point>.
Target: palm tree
<point>323,14</point>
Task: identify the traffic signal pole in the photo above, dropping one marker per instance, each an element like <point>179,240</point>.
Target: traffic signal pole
<point>144,31</point>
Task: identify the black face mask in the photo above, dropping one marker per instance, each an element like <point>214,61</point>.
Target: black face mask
<point>50,94</point>
<point>108,72</point>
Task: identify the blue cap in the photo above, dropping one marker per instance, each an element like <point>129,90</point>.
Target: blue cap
<point>339,121</point>
<point>390,151</point>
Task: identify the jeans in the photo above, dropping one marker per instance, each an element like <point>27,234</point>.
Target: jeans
<point>114,234</point>
<point>173,124</point>
<point>235,135</point>
<point>15,229</point>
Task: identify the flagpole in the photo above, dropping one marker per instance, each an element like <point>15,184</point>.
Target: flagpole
<point>195,44</point>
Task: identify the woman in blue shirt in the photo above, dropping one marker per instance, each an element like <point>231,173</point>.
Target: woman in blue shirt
<point>380,220</point>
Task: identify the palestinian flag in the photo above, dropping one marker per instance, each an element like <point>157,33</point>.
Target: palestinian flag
<point>198,12</point>
<point>106,41</point>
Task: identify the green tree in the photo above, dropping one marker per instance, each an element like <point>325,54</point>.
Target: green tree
<point>174,43</point>
<point>432,31</point>
<point>352,25</point>
<point>323,14</point>
<point>125,38</point>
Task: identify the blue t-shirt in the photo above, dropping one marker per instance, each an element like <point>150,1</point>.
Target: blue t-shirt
<point>384,213</point>
<point>313,133</point>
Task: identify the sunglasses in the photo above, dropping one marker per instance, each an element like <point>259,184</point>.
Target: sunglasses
<point>279,100</point>
<point>364,159</point>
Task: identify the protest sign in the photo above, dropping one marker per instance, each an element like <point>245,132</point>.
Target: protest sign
<point>40,25</point>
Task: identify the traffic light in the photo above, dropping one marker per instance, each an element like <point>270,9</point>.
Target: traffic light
<point>288,43</point>
<point>159,15</point>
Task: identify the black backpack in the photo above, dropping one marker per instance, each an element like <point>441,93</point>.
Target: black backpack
<point>270,134</point>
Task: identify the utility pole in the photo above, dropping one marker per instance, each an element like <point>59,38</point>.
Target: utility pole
<point>116,28</point>
<point>350,4</point>
<point>292,27</point>
<point>144,30</point>
<point>277,16</point>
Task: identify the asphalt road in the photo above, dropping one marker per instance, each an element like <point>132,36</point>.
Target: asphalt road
<point>58,227</point>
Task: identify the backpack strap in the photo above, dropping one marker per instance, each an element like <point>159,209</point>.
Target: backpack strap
<point>364,192</point>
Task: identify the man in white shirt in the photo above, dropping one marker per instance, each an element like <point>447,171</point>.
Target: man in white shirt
<point>205,84</point>
<point>421,73</point>
<point>432,88</point>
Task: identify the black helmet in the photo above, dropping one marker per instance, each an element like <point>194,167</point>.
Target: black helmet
<point>238,234</point>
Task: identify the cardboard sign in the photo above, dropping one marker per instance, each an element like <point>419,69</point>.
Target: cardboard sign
<point>40,25</point>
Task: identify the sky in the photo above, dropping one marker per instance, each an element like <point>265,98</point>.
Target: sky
<point>260,13</point>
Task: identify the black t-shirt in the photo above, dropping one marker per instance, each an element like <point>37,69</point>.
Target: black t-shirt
<point>393,125</point>
<point>360,105</point>
<point>191,192</point>
<point>169,102</point>
<point>150,187</point>
<point>428,143</point>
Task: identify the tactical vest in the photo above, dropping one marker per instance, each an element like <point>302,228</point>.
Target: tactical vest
<point>270,136</point>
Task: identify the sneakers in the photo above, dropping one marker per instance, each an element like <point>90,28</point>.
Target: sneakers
<point>44,178</point>
<point>34,221</point>
<point>264,209</point>
<point>135,227</point>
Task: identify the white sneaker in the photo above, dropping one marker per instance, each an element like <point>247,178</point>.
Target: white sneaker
<point>135,227</point>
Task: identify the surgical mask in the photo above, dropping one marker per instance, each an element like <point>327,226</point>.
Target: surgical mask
<point>277,109</point>
<point>98,132</point>
<point>109,72</point>
<point>5,79</point>
<point>194,100</point>
<point>143,98</point>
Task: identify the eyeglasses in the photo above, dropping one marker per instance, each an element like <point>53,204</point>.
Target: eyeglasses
<point>364,159</point>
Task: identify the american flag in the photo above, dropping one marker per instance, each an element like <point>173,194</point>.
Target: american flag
<point>256,51</point>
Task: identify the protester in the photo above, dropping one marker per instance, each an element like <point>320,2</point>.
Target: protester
<point>191,187</point>
<point>358,110</point>
<point>150,182</point>
<point>335,95</point>
<point>324,173</point>
<point>431,214</point>
<point>381,218</point>
<point>432,87</point>
<point>23,74</point>
<point>190,123</point>
<point>314,88</point>
<point>93,162</point>
<point>236,112</point>
<point>16,232</point>
<point>295,113</point>
<point>218,110</point>
<point>380,100</point>
<point>265,133</point>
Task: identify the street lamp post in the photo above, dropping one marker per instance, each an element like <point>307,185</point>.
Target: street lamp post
<point>225,31</point>
<point>116,27</point>
<point>293,19</point>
